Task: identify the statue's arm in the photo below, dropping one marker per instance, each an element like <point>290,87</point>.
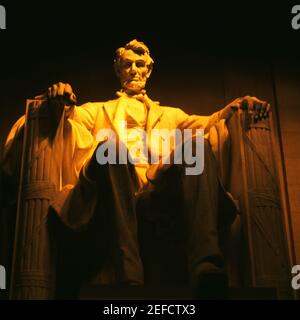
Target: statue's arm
<point>185,121</point>
<point>60,98</point>
<point>257,108</point>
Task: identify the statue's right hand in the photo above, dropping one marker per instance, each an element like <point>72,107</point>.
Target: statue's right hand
<point>59,96</point>
<point>60,93</point>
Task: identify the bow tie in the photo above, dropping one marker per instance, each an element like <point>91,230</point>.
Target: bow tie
<point>141,97</point>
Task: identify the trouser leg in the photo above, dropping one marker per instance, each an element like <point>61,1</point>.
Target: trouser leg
<point>201,203</point>
<point>116,185</point>
<point>200,197</point>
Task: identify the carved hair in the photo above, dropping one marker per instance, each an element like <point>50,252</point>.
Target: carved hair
<point>137,47</point>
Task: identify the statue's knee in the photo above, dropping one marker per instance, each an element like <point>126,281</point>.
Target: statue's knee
<point>193,157</point>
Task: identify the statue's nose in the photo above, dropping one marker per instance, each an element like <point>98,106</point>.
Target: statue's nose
<point>133,68</point>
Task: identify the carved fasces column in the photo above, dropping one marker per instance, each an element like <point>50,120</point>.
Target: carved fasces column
<point>33,269</point>
<point>254,182</point>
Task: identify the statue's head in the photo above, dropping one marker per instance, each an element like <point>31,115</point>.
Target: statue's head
<point>133,65</point>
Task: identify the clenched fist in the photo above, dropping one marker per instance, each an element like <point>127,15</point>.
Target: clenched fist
<point>59,95</point>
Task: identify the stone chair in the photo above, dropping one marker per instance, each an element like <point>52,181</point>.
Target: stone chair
<point>257,246</point>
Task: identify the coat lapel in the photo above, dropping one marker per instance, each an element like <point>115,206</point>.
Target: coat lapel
<point>116,114</point>
<point>154,115</point>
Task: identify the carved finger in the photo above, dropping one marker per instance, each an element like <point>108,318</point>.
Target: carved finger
<point>244,104</point>
<point>54,91</point>
<point>268,108</point>
<point>251,106</point>
<point>258,110</point>
<point>68,89</point>
<point>262,111</point>
<point>261,115</point>
<point>60,89</point>
<point>264,107</point>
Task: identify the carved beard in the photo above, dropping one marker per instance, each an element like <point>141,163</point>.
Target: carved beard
<point>133,85</point>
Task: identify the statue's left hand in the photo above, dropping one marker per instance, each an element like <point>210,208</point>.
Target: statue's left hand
<point>259,109</point>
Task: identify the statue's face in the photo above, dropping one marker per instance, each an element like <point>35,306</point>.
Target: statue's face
<point>133,72</point>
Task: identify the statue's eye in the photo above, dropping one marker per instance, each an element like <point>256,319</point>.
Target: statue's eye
<point>127,64</point>
<point>140,64</point>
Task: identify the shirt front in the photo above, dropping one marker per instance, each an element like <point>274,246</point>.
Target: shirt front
<point>136,140</point>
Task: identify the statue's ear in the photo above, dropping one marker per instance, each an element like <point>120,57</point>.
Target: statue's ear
<point>150,68</point>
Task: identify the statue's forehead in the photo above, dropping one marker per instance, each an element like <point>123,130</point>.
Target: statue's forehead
<point>132,56</point>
